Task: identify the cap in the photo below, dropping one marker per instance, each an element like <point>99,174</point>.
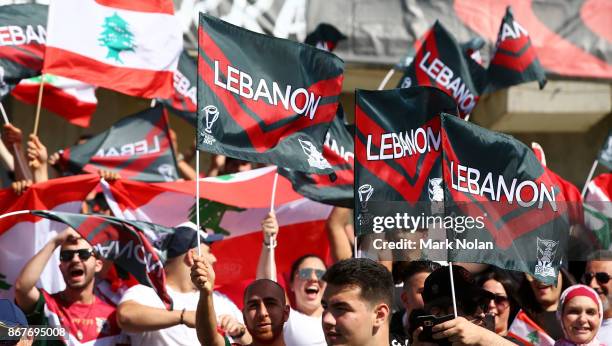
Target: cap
<point>184,239</point>
<point>11,315</point>
<point>437,287</point>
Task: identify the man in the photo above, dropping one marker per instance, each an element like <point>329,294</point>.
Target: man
<point>598,275</point>
<point>12,317</point>
<point>469,327</point>
<point>265,308</point>
<point>357,303</point>
<point>413,275</point>
<point>142,314</point>
<point>85,317</point>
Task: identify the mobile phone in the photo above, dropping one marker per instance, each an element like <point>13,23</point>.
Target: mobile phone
<point>427,322</point>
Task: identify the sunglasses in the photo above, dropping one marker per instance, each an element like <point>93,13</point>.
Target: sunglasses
<point>501,301</point>
<point>306,273</point>
<point>68,255</point>
<point>601,277</point>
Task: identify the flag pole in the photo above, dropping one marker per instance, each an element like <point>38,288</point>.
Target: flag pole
<point>17,157</point>
<point>198,199</point>
<point>18,212</point>
<point>452,281</point>
<point>385,80</point>
<point>273,239</point>
<point>38,104</point>
<point>586,183</point>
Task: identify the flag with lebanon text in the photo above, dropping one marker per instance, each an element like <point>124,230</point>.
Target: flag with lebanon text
<point>325,37</point>
<point>22,45</point>
<point>183,101</point>
<point>71,99</point>
<point>504,208</point>
<point>137,147</point>
<point>605,154</point>
<point>515,60</point>
<point>398,147</point>
<point>335,188</point>
<point>23,235</point>
<point>227,210</point>
<point>264,99</point>
<point>123,242</point>
<point>132,47</point>
<point>442,63</point>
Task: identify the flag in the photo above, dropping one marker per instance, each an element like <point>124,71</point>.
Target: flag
<point>599,194</point>
<point>521,214</point>
<point>528,332</point>
<point>126,243</point>
<point>138,147</point>
<point>605,154</point>
<point>397,145</point>
<point>264,99</point>
<point>442,63</point>
<point>128,46</point>
<point>301,221</point>
<point>515,60</point>
<point>599,224</point>
<point>336,188</point>
<point>22,236</point>
<point>184,97</point>
<point>22,46</point>
<point>472,49</point>
<point>325,37</point>
<point>71,99</point>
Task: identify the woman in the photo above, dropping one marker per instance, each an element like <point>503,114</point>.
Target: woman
<point>503,307</point>
<point>580,313</point>
<point>304,327</point>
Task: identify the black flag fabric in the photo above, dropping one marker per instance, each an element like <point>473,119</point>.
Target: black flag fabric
<point>265,99</point>
<point>336,188</point>
<point>515,60</point>
<point>131,245</point>
<point>138,147</point>
<point>441,62</point>
<point>325,37</point>
<point>519,215</point>
<point>23,43</point>
<point>184,98</point>
<point>605,154</point>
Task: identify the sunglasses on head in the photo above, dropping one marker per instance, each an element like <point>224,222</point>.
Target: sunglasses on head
<point>306,273</point>
<point>601,277</point>
<point>68,255</point>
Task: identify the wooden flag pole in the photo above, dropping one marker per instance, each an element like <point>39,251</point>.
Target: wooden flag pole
<point>197,208</point>
<point>452,281</point>
<point>588,180</point>
<point>273,239</point>
<point>38,104</point>
<point>17,157</point>
<point>385,80</point>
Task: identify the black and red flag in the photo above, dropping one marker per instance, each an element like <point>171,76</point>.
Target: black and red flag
<point>325,36</point>
<point>442,63</point>
<point>518,214</point>
<point>398,147</point>
<point>135,246</point>
<point>22,47</point>
<point>265,99</point>
<point>515,60</point>
<point>184,97</point>
<point>336,188</point>
<point>138,147</point>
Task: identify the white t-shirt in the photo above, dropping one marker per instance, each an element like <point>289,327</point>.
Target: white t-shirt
<point>303,330</point>
<point>605,332</point>
<point>180,334</point>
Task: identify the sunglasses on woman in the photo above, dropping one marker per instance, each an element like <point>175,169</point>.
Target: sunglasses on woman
<point>501,301</point>
<point>68,255</point>
<point>306,273</point>
<point>601,277</point>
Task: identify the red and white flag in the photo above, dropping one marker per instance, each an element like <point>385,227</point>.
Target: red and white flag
<point>599,194</point>
<point>528,332</point>
<point>71,99</point>
<point>22,236</point>
<point>131,46</point>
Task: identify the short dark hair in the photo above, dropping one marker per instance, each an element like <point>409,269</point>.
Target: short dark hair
<point>268,281</point>
<point>406,270</point>
<point>298,262</point>
<point>374,279</point>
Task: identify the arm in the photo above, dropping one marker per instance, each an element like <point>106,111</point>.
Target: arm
<point>462,331</point>
<point>266,267</point>
<point>26,293</point>
<point>37,159</point>
<point>339,243</point>
<point>6,157</point>
<point>136,318</point>
<point>12,137</point>
<point>185,170</point>
<point>203,277</point>
<point>217,162</point>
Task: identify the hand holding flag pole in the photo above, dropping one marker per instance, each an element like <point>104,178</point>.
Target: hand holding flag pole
<point>17,155</point>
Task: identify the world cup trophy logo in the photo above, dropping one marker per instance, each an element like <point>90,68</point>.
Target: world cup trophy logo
<point>315,158</point>
<point>211,114</point>
<point>436,195</point>
<point>364,192</point>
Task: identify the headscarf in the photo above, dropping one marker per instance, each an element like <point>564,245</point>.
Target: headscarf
<point>567,295</point>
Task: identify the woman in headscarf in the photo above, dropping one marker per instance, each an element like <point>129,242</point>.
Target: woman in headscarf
<point>580,313</point>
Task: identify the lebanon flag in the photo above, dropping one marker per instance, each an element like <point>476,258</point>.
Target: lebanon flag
<point>22,44</point>
<point>515,60</point>
<point>599,194</point>
<point>521,214</point>
<point>229,210</point>
<point>184,96</point>
<point>265,99</point>
<point>129,46</point>
<point>441,62</point>
<point>138,147</point>
<point>336,188</point>
<point>528,332</point>
<point>22,236</point>
<point>71,99</point>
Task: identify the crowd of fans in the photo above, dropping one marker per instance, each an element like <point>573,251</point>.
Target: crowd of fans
<point>342,300</point>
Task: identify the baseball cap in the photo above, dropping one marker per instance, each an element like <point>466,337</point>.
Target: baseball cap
<point>185,238</point>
